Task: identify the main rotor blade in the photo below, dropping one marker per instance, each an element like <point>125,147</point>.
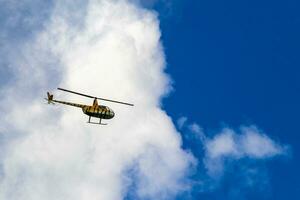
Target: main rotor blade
<point>77,93</point>
<point>129,104</point>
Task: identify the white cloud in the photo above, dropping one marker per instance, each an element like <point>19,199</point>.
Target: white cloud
<point>222,145</point>
<point>107,48</point>
<point>195,128</point>
<point>258,145</point>
<point>198,131</point>
<point>251,143</point>
<point>181,122</point>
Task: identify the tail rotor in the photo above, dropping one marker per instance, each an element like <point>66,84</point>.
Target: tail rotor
<point>49,98</point>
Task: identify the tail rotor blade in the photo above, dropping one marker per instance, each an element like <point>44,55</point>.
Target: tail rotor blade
<point>49,98</point>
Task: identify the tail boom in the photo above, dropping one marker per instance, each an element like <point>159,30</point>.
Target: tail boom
<point>51,100</point>
<point>69,103</point>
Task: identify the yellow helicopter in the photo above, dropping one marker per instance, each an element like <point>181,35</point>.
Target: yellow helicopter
<point>95,110</point>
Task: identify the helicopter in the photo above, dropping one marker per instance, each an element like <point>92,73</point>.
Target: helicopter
<point>95,110</point>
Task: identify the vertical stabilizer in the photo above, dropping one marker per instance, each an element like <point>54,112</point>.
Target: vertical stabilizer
<point>50,98</point>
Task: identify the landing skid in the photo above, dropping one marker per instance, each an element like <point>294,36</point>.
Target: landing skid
<point>95,122</point>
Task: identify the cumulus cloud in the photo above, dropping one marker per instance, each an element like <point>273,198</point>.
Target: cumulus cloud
<point>247,149</point>
<point>181,122</point>
<point>105,48</point>
<point>250,143</point>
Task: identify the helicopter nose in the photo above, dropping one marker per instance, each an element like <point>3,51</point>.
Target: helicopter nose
<point>112,114</point>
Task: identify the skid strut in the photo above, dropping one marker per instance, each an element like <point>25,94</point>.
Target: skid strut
<point>95,122</point>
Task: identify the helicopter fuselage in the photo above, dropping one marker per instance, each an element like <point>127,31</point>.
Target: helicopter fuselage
<point>95,110</point>
<point>98,111</point>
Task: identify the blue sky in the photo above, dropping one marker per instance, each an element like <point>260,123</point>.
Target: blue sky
<point>227,130</point>
<point>233,63</point>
